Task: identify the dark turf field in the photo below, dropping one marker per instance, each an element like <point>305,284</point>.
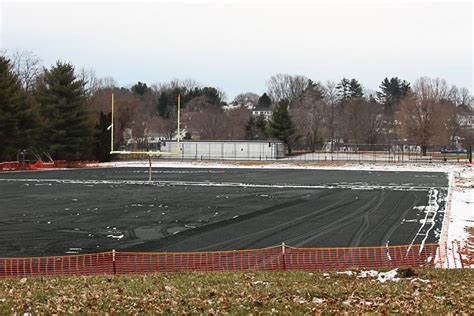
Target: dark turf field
<point>88,210</point>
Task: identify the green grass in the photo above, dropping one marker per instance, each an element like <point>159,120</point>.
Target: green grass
<point>448,291</point>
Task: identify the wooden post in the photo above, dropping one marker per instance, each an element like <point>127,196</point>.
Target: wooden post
<point>113,262</point>
<point>283,255</point>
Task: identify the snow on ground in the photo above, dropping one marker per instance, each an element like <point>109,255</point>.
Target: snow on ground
<point>458,225</point>
<point>461,219</point>
<point>428,167</point>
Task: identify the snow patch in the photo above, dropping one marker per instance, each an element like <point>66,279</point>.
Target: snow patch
<point>118,237</point>
<point>382,277</point>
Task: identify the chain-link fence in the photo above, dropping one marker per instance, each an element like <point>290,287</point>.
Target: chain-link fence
<point>356,153</point>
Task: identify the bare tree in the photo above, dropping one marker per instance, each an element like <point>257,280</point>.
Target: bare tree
<point>107,83</point>
<point>199,104</point>
<point>187,84</point>
<point>363,121</point>
<point>433,89</point>
<point>284,86</point>
<point>372,122</point>
<point>27,66</point>
<point>309,117</point>
<point>235,121</point>
<point>423,118</point>
<point>248,100</point>
<point>465,97</point>
<point>89,77</point>
<point>331,99</point>
<point>209,122</point>
<point>129,110</point>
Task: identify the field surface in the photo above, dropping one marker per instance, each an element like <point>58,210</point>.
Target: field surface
<point>78,211</point>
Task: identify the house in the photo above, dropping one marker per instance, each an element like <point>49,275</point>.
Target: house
<point>265,111</point>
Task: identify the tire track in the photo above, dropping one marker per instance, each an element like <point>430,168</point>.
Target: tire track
<point>356,239</point>
<point>344,220</point>
<point>289,225</point>
<point>396,222</point>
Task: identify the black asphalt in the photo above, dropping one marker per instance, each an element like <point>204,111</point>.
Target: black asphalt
<point>53,216</point>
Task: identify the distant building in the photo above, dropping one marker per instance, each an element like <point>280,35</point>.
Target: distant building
<point>265,111</point>
<point>466,120</point>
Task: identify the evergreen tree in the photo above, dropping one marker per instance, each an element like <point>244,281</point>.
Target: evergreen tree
<point>314,91</point>
<point>393,91</point>
<point>280,125</point>
<point>264,101</point>
<point>250,128</point>
<point>167,102</point>
<point>163,104</point>
<point>261,125</point>
<point>66,131</point>
<point>18,121</point>
<point>140,88</point>
<point>343,89</point>
<point>349,89</point>
<point>355,89</point>
<point>255,128</point>
<point>102,137</point>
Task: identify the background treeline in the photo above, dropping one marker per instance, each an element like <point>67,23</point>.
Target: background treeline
<point>65,112</point>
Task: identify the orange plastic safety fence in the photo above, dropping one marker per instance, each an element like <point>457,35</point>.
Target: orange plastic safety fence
<point>279,258</point>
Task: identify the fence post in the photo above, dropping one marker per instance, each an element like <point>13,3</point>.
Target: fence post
<point>283,252</point>
<point>113,262</point>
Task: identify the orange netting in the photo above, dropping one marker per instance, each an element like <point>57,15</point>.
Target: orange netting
<point>279,258</point>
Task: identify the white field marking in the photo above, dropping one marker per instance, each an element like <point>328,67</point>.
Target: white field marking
<point>224,184</point>
<point>430,214</point>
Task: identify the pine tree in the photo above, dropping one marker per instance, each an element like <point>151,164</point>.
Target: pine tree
<point>264,101</point>
<point>140,88</point>
<point>280,125</point>
<point>256,127</point>
<point>355,89</point>
<point>343,89</point>
<point>102,137</point>
<point>261,125</point>
<point>250,128</point>
<point>66,131</point>
<point>349,89</point>
<point>393,91</point>
<point>162,104</point>
<point>18,120</point>
<point>314,91</point>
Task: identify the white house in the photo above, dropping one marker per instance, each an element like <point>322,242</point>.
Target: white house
<point>266,112</point>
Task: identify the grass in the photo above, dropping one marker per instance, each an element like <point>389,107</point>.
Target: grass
<point>438,291</point>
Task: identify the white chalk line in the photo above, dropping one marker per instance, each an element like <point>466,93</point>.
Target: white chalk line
<point>223,184</point>
<point>430,214</point>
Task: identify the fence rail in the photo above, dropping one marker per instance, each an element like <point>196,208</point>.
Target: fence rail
<point>279,258</point>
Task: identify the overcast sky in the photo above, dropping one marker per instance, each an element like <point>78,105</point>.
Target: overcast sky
<point>237,46</point>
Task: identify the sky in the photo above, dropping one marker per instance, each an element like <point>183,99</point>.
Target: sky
<point>238,45</point>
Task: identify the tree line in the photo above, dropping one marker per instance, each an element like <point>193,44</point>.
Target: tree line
<point>64,112</point>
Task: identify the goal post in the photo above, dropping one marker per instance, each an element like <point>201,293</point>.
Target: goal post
<point>144,153</point>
